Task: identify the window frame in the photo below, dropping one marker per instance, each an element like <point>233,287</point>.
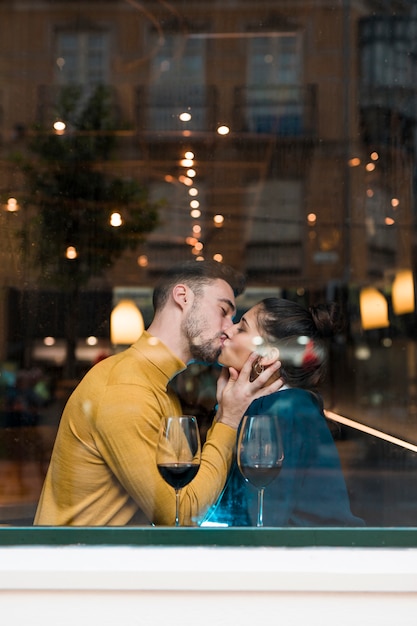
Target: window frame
<point>219,537</point>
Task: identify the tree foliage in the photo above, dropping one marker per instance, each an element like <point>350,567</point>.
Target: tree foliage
<point>70,201</point>
<point>72,197</point>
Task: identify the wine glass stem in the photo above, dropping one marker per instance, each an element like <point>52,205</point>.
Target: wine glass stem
<point>177,507</point>
<point>260,507</point>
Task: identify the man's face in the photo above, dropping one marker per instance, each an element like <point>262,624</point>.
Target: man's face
<point>210,316</point>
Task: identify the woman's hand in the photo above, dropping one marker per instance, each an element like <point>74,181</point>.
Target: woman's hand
<point>235,391</point>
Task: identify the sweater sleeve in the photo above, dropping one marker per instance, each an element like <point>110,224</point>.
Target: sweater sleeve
<point>128,446</point>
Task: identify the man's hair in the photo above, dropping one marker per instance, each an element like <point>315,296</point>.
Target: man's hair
<point>196,274</point>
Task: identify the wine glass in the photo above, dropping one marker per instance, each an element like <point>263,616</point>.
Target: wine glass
<point>260,453</point>
<point>178,453</point>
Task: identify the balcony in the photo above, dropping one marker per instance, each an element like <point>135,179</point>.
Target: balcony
<point>286,111</point>
<point>161,109</point>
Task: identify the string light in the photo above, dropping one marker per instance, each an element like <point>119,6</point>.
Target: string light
<point>223,130</point>
<point>185,180</point>
<point>116,220</point>
<point>12,205</point>
<point>59,127</point>
<point>143,260</point>
<point>71,253</point>
<point>354,162</point>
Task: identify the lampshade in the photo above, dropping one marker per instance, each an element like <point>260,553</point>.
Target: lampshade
<point>126,323</point>
<point>403,292</point>
<point>374,309</point>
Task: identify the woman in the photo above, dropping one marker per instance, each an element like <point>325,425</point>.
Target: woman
<point>310,489</point>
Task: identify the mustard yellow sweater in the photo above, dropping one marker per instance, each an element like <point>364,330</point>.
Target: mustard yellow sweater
<point>103,466</point>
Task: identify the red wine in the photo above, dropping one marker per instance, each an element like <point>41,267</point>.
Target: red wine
<point>260,475</point>
<point>178,474</point>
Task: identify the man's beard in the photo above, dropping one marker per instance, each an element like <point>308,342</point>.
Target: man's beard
<point>193,329</point>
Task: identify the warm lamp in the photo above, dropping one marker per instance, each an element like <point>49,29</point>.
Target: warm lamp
<point>374,309</point>
<point>126,323</point>
<point>403,292</point>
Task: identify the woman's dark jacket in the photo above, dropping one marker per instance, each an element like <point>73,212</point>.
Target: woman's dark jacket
<point>310,489</point>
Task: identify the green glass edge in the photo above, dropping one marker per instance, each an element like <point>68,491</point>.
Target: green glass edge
<point>232,537</point>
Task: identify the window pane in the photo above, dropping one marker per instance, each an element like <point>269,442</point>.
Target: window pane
<point>278,138</point>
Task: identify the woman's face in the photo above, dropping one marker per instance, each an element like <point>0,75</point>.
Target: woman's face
<point>243,338</point>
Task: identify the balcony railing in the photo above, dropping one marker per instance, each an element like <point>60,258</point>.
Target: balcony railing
<point>284,111</point>
<point>161,108</point>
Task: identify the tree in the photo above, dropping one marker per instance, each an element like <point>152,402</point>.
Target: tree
<point>71,200</point>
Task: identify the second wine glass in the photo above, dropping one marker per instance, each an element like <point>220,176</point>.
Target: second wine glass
<point>260,453</point>
<point>178,454</point>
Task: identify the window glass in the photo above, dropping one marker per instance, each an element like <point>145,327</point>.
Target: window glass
<point>82,57</point>
<point>275,137</point>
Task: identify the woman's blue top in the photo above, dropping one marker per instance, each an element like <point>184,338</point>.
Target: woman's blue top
<point>310,490</point>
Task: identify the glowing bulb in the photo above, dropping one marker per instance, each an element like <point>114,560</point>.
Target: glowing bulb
<point>59,127</point>
<point>143,260</point>
<point>185,117</point>
<point>116,220</point>
<point>195,213</point>
<point>185,180</point>
<point>194,204</point>
<point>189,155</point>
<point>354,162</point>
<point>71,252</point>
<point>12,205</point>
<point>223,130</point>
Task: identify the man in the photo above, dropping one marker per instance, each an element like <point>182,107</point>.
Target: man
<point>103,467</point>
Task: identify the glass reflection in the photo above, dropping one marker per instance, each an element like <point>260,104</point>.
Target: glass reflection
<point>294,125</point>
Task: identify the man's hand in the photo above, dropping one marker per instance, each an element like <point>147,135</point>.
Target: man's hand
<point>235,391</point>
